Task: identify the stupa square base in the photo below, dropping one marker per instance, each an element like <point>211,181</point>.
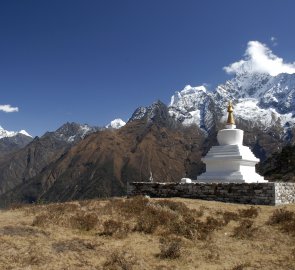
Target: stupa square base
<point>230,163</point>
<point>270,193</point>
<point>210,180</point>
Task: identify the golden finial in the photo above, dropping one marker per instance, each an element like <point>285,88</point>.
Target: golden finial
<point>230,118</point>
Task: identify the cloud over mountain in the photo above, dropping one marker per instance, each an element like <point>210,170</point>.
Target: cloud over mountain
<point>259,58</point>
<point>8,109</point>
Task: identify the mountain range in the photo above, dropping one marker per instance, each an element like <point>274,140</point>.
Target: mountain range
<point>11,141</point>
<point>159,142</point>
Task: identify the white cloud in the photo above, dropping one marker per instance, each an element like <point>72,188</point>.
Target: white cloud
<point>8,109</point>
<point>274,41</point>
<point>259,58</point>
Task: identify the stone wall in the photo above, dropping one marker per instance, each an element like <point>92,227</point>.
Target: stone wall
<point>284,193</point>
<point>247,193</point>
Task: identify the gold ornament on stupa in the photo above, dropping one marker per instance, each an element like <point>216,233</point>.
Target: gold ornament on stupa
<point>230,118</point>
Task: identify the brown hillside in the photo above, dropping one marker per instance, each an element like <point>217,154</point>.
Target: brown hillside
<point>29,161</point>
<point>101,164</point>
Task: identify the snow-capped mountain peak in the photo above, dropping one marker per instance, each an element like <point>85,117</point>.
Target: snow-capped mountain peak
<point>187,94</point>
<point>5,133</point>
<point>154,113</point>
<point>188,105</point>
<point>24,133</point>
<point>259,98</point>
<point>72,132</point>
<point>116,124</point>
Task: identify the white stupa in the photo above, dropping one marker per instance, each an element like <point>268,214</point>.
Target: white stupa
<point>231,161</point>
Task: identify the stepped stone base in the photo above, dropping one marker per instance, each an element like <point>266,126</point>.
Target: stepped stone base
<point>230,163</point>
<point>270,193</point>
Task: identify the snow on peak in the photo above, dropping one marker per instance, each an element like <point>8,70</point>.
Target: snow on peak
<point>189,88</point>
<point>73,132</point>
<point>24,133</point>
<point>5,133</point>
<point>259,98</point>
<point>190,106</point>
<point>187,94</point>
<point>116,124</point>
<point>248,109</point>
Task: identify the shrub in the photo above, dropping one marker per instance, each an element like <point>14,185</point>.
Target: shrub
<point>181,228</point>
<point>240,266</point>
<point>205,229</point>
<point>152,216</point>
<point>40,220</point>
<point>179,207</point>
<point>280,216</point>
<point>61,208</point>
<point>213,223</point>
<point>289,227</point>
<point>166,216</point>
<point>190,227</point>
<point>251,212</point>
<point>119,260</point>
<point>112,227</point>
<point>83,221</point>
<point>170,248</point>
<point>283,218</point>
<point>245,229</point>
<point>210,252</point>
<point>75,244</point>
<point>129,207</point>
<point>228,216</point>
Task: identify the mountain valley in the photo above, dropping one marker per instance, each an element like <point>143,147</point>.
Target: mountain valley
<point>158,143</point>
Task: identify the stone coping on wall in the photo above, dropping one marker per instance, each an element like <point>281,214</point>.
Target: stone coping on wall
<point>270,193</point>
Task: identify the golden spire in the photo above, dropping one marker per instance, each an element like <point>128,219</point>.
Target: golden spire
<point>230,118</point>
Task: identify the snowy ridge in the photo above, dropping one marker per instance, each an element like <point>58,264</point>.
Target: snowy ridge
<point>72,132</point>
<point>190,106</point>
<point>150,113</point>
<point>5,133</point>
<point>261,99</point>
<point>248,109</point>
<point>81,133</point>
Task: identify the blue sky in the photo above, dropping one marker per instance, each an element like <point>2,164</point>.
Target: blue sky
<point>93,61</point>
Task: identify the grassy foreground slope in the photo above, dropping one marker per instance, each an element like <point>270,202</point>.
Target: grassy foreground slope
<point>141,233</point>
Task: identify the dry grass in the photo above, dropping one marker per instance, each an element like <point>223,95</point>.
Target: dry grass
<point>142,233</point>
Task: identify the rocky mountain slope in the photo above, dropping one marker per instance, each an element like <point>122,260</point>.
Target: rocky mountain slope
<point>9,145</point>
<point>29,161</point>
<point>153,148</point>
<point>11,141</point>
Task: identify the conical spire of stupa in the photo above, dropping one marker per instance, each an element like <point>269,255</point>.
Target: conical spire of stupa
<point>230,118</point>
<point>230,124</point>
